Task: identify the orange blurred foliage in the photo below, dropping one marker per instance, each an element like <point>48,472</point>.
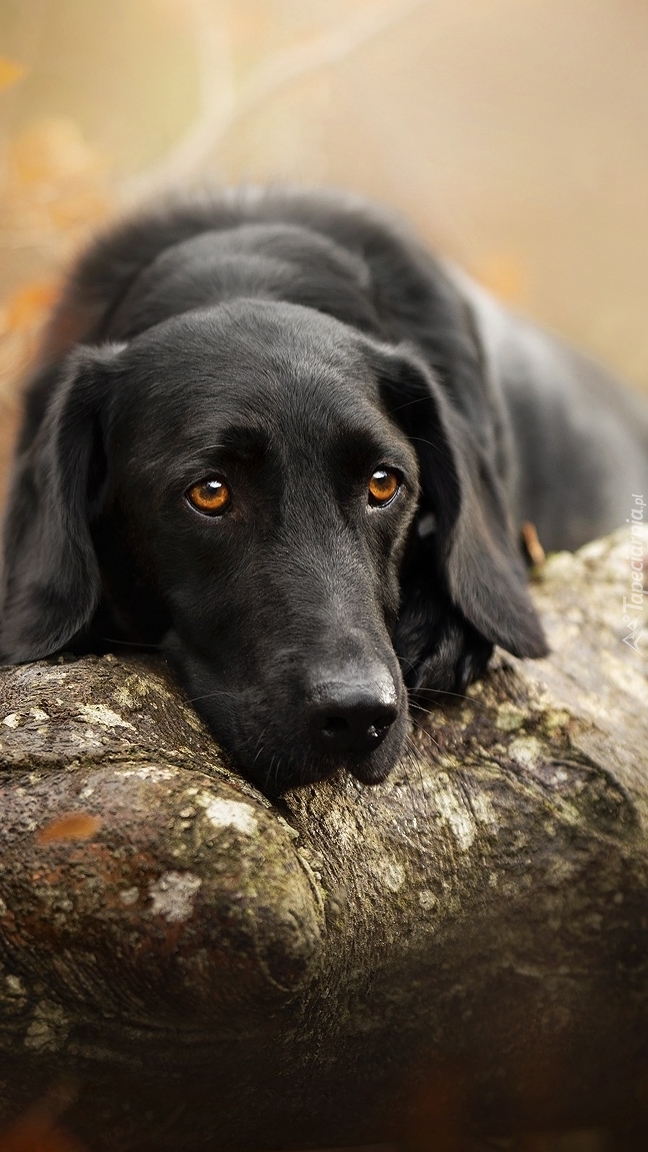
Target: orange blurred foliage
<point>53,150</point>
<point>54,193</point>
<point>37,1134</point>
<point>10,72</point>
<point>27,307</point>
<point>38,1129</point>
<point>55,183</point>
<point>505,275</point>
<point>21,319</point>
<point>437,1120</point>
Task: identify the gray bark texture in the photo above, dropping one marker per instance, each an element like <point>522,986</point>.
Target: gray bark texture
<point>462,949</point>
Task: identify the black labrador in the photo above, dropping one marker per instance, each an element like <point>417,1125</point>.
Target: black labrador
<point>272,434</point>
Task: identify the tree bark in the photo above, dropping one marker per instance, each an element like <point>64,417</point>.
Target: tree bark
<point>461,949</point>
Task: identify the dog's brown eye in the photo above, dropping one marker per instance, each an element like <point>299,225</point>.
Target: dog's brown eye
<point>210,496</point>
<point>383,486</point>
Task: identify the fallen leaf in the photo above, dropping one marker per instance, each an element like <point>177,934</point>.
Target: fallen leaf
<point>532,545</point>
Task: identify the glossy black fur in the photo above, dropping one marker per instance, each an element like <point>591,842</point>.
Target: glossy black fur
<point>293,343</point>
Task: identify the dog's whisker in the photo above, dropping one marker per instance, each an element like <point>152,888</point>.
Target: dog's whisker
<point>422,440</point>
<point>259,747</point>
<point>277,772</point>
<point>439,693</point>
<point>413,758</point>
<point>269,773</point>
<point>426,732</point>
<point>221,692</point>
<point>248,739</point>
<point>408,404</point>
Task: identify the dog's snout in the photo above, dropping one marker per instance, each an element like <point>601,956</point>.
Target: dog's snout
<point>352,716</point>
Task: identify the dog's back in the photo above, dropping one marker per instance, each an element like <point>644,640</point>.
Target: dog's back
<point>569,444</point>
<point>581,437</point>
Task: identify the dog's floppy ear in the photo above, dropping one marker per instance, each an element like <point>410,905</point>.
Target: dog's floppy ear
<point>50,578</point>
<point>463,522</point>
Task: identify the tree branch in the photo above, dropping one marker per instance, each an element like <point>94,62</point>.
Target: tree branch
<point>222,111</point>
<point>459,950</point>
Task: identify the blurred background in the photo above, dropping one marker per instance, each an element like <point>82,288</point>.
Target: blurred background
<point>512,133</point>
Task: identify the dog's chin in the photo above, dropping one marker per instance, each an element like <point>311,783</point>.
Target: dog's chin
<point>276,774</point>
<point>256,743</point>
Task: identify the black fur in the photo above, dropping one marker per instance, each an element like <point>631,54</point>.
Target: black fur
<point>293,343</point>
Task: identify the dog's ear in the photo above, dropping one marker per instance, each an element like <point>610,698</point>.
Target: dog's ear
<point>462,523</point>
<point>50,578</point>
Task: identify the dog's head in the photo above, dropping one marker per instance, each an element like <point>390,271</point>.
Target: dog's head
<point>293,510</point>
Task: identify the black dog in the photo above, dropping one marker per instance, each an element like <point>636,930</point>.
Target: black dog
<point>273,435</point>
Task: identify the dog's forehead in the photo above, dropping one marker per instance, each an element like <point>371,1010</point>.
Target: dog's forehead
<point>281,369</point>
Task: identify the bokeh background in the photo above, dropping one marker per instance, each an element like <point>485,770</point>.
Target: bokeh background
<point>512,133</point>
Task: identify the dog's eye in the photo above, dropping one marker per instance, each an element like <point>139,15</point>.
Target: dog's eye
<point>210,496</point>
<point>383,486</point>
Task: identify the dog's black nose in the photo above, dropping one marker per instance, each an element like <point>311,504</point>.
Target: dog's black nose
<point>351,717</point>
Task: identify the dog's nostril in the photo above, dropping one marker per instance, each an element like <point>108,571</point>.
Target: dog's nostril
<point>333,726</point>
<point>356,723</point>
<point>338,727</point>
<point>381,726</point>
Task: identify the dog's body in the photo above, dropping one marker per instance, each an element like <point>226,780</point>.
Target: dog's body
<point>271,433</point>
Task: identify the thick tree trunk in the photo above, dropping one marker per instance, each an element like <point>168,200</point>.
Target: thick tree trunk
<point>463,947</point>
